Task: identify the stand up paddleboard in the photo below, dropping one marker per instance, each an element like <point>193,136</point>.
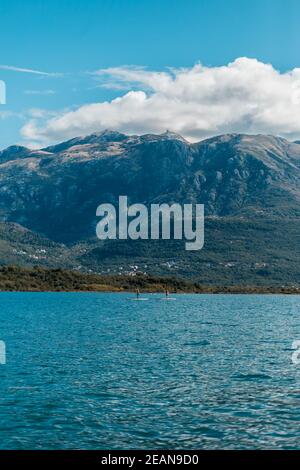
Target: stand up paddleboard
<point>141,298</point>
<point>167,296</point>
<point>138,298</point>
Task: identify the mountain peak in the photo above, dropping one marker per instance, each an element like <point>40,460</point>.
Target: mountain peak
<point>15,149</point>
<point>110,135</point>
<point>172,136</point>
<point>13,152</point>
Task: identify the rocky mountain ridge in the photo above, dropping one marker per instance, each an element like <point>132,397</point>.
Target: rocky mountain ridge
<point>55,191</point>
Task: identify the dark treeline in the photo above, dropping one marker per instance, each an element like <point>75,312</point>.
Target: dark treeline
<point>15,278</point>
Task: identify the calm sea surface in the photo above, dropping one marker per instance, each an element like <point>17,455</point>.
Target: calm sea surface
<point>97,371</point>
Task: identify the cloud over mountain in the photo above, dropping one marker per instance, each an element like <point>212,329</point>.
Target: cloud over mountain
<point>244,96</point>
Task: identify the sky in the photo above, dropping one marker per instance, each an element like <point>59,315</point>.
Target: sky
<point>196,67</point>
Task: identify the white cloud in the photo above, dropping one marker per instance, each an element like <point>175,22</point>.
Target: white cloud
<point>39,92</point>
<point>7,114</point>
<point>243,96</point>
<point>38,113</point>
<point>13,68</point>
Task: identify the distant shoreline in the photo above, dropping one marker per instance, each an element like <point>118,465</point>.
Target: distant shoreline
<point>37,279</point>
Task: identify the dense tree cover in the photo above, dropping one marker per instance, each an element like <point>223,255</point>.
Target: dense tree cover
<point>15,278</point>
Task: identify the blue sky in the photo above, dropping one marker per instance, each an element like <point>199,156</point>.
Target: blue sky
<point>69,40</point>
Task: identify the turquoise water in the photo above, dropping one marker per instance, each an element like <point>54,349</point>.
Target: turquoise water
<point>96,371</point>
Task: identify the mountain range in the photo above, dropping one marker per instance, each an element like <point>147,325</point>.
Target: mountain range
<point>249,184</point>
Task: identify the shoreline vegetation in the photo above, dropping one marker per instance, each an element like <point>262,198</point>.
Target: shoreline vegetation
<point>38,279</point>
